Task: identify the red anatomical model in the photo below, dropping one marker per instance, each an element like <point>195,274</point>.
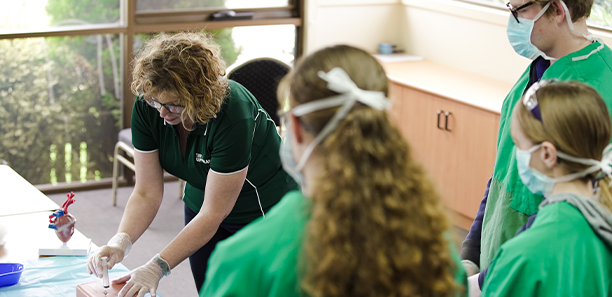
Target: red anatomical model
<point>62,221</point>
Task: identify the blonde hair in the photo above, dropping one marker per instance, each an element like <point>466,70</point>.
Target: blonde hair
<point>187,65</point>
<point>578,9</point>
<point>377,227</point>
<point>576,121</point>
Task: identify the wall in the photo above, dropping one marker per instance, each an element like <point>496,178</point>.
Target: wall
<point>360,23</point>
<point>462,36</point>
<point>465,36</point>
<point>453,33</point>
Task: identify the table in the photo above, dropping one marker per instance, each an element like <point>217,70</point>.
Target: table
<point>25,211</point>
<point>26,233</point>
<point>19,196</point>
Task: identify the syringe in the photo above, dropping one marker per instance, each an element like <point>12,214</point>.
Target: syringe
<point>104,274</point>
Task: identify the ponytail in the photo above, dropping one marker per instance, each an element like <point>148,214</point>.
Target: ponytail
<point>377,226</point>
<point>605,192</point>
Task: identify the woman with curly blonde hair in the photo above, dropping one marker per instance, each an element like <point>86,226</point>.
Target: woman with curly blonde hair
<point>209,131</point>
<point>368,222</point>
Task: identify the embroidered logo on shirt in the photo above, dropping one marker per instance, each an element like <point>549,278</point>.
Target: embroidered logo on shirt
<point>199,159</point>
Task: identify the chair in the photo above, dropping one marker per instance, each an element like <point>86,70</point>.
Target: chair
<point>261,77</point>
<point>125,144</point>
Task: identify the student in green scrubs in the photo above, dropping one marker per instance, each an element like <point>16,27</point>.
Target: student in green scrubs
<point>195,124</point>
<point>562,135</point>
<point>368,222</point>
<point>554,35</point>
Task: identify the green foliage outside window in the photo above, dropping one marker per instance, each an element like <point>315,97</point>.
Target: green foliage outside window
<point>51,99</point>
<point>601,13</point>
<point>93,12</point>
<point>60,100</point>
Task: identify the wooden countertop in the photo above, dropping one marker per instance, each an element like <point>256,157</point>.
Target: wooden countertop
<point>472,89</point>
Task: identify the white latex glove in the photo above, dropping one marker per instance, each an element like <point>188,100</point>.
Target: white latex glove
<point>473,287</point>
<point>144,278</point>
<point>115,250</point>
<point>470,267</point>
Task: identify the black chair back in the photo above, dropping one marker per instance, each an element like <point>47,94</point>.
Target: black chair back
<point>261,77</point>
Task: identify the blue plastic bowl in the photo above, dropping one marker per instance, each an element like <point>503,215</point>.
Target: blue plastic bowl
<point>10,273</point>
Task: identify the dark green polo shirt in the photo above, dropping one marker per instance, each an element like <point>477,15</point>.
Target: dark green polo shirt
<point>241,135</point>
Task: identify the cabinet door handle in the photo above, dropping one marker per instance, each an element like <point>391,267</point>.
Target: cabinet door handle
<point>446,114</point>
<point>439,113</point>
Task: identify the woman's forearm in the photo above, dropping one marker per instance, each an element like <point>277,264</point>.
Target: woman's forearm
<point>139,214</point>
<point>194,236</point>
<point>219,199</point>
<point>147,196</point>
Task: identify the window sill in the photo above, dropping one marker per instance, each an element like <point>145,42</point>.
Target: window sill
<point>489,13</point>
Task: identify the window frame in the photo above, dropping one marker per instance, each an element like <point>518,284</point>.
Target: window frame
<point>132,22</point>
<point>503,8</point>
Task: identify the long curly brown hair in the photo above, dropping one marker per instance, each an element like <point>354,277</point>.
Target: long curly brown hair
<point>187,65</point>
<point>377,226</point>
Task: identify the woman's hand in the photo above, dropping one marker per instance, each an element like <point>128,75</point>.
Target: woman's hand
<point>115,250</point>
<point>144,278</point>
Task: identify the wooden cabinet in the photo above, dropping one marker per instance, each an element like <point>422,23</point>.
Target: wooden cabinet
<point>455,142</point>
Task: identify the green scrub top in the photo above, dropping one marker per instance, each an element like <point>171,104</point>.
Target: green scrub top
<point>510,203</point>
<point>241,135</point>
<point>559,255</point>
<point>262,258</point>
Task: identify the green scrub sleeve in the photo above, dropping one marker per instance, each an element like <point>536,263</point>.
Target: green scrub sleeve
<point>142,138</point>
<point>223,279</point>
<point>232,147</point>
<point>510,275</point>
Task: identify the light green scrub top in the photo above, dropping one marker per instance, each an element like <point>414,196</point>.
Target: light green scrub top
<point>241,135</point>
<point>262,258</point>
<point>510,203</point>
<point>559,255</point>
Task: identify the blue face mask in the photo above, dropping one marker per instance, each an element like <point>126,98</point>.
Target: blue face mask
<point>286,156</point>
<point>541,184</point>
<point>519,35</point>
<point>534,180</point>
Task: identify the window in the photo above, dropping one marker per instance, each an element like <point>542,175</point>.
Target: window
<point>26,15</point>
<point>64,72</point>
<point>60,110</point>
<point>601,12</point>
<point>203,4</point>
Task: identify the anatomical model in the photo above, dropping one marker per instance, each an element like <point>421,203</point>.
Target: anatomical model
<point>62,221</point>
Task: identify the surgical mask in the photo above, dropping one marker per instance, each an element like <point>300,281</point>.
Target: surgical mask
<point>286,157</point>
<point>541,184</point>
<point>519,35</point>
<point>340,82</point>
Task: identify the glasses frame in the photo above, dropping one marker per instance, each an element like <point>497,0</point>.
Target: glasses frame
<point>175,109</point>
<point>514,11</point>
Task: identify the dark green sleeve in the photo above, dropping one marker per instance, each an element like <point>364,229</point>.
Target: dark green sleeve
<point>142,137</point>
<point>232,147</point>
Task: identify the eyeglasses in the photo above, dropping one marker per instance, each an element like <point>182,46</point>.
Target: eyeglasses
<point>170,108</point>
<point>514,11</point>
<point>531,101</point>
